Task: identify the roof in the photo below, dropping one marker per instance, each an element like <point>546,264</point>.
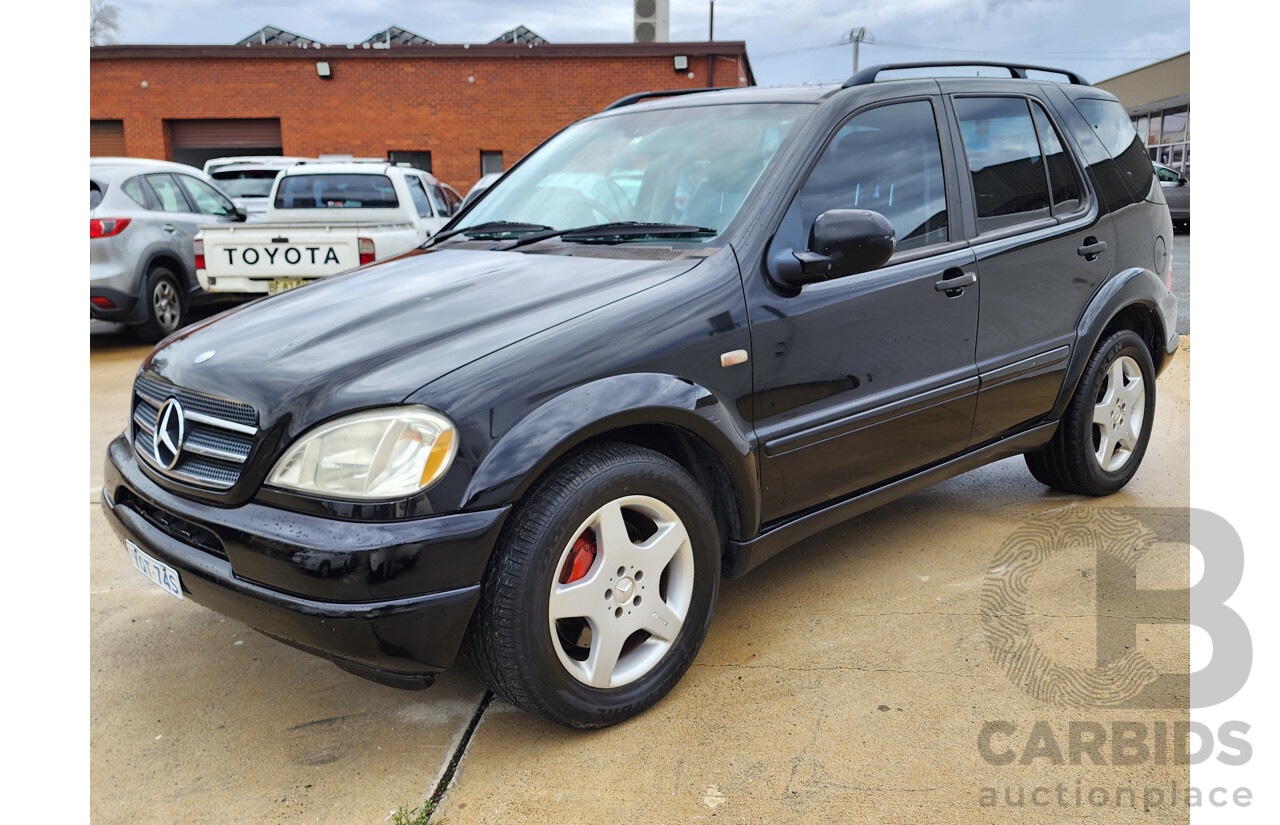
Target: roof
<point>380,168</point>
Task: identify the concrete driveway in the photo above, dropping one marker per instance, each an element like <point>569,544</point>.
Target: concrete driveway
<point>847,680</point>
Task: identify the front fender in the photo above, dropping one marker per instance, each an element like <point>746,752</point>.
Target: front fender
<point>1135,287</point>
<point>610,404</point>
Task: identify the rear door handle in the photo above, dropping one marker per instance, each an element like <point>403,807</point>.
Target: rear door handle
<point>1092,248</point>
<point>168,227</point>
<point>954,281</point>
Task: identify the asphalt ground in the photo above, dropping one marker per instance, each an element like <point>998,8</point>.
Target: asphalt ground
<point>849,679</point>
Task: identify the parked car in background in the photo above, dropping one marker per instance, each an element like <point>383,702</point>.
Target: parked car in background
<point>322,219</point>
<point>478,188</point>
<point>248,180</point>
<point>1177,191</point>
<point>143,219</point>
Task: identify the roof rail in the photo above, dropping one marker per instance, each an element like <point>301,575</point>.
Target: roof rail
<point>1019,70</point>
<point>636,98</point>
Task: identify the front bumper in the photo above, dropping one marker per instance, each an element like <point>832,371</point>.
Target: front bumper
<point>389,601</point>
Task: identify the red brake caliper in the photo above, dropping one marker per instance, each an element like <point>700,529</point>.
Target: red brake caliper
<point>580,558</point>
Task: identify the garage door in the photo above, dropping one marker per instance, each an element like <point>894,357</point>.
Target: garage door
<point>195,141</point>
<point>106,138</point>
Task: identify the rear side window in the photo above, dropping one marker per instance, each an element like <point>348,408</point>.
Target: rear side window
<point>1064,185</point>
<point>1009,181</point>
<point>1114,128</point>
<point>207,199</point>
<point>888,160</point>
<point>336,192</point>
<point>419,196</point>
<point>95,193</point>
<point>167,192</point>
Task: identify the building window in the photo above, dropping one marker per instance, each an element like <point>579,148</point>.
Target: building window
<point>418,160</point>
<point>490,162</point>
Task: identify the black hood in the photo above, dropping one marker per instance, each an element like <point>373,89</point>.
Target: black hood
<point>374,336</point>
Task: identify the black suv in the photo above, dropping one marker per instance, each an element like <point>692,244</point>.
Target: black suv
<point>682,335</point>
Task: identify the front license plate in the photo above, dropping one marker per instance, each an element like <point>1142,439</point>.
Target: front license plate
<point>159,572</point>
<point>283,284</point>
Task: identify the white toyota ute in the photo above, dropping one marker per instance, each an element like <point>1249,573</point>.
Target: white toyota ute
<point>322,219</point>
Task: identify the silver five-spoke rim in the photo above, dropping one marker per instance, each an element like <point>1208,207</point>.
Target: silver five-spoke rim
<point>1118,414</point>
<point>164,298</point>
<point>615,622</point>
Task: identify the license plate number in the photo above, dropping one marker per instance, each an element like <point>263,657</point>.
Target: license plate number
<point>283,284</point>
<point>159,572</point>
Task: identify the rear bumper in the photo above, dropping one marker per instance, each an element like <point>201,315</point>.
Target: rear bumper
<point>388,601</point>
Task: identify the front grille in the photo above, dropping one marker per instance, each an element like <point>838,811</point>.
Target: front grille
<point>218,433</point>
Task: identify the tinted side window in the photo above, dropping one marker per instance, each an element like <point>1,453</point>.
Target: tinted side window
<point>1064,186</point>
<point>167,192</point>
<point>1114,128</point>
<point>207,199</point>
<point>887,160</point>
<point>1166,175</point>
<point>419,196</point>
<point>133,188</point>
<point>1008,174</point>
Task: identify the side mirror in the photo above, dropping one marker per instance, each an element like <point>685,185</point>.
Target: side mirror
<point>842,242</point>
<point>240,213</point>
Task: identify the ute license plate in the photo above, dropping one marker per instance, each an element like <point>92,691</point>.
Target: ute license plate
<point>283,284</point>
<point>159,572</point>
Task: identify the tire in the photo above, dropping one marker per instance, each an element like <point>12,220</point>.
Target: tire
<point>1103,434</point>
<point>166,309</point>
<point>545,624</point>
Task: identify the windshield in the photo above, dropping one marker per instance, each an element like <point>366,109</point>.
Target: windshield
<point>690,166</point>
<point>247,183</point>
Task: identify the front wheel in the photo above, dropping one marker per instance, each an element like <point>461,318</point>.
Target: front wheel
<point>1104,432</point>
<point>601,589</point>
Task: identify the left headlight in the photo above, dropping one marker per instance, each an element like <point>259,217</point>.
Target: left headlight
<point>376,454</point>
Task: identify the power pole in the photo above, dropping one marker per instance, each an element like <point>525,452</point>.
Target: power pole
<point>857,37</point>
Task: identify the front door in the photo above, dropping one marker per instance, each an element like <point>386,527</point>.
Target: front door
<point>867,377</point>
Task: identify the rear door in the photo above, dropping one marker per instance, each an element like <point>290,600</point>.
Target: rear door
<point>181,219</point>
<point>1044,245</point>
<point>870,376</point>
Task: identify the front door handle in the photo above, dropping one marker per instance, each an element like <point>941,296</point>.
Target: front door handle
<point>1092,248</point>
<point>954,281</point>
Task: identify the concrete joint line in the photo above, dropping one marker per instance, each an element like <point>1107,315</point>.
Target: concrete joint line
<point>442,787</point>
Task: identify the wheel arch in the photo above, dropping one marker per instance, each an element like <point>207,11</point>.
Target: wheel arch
<point>1131,300</point>
<point>668,415</point>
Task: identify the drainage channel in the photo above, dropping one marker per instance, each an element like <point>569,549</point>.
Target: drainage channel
<point>446,779</point>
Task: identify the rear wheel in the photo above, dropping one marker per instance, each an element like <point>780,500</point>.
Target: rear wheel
<point>1104,432</point>
<point>601,589</point>
<point>166,310</point>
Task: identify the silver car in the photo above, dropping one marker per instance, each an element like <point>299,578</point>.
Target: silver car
<point>143,218</point>
<point>1177,192</point>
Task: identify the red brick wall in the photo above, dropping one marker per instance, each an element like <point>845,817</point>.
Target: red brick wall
<point>376,103</point>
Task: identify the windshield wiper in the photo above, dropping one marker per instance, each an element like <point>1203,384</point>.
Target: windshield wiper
<point>490,229</point>
<point>620,230</point>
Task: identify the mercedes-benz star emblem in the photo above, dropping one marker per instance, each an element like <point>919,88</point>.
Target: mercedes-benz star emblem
<point>170,430</point>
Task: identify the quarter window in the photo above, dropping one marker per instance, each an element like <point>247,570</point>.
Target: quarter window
<point>1005,164</point>
<point>887,160</point>
<point>1114,128</point>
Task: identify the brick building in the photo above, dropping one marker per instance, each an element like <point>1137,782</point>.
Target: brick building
<point>452,109</point>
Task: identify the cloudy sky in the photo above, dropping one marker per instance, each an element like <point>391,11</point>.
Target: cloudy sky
<point>787,40</point>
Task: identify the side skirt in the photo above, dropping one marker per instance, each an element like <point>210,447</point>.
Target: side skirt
<point>744,556</point>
